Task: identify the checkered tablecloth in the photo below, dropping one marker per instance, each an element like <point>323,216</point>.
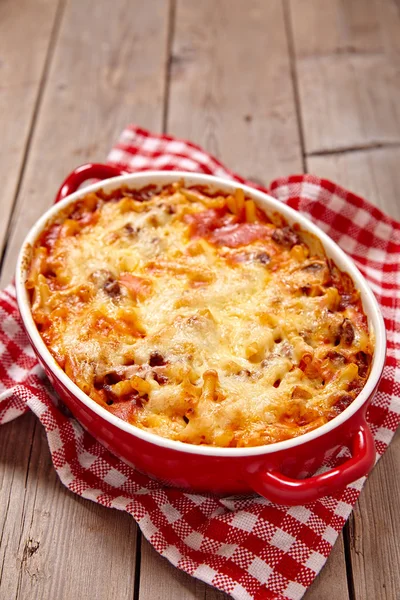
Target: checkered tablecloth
<point>245,546</point>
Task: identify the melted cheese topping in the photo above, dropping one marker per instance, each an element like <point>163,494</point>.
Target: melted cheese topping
<point>197,317</point>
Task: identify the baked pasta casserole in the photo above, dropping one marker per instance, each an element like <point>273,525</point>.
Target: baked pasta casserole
<point>194,315</point>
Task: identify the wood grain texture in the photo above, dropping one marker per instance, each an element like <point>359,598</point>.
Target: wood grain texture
<point>349,101</point>
<point>348,73</point>
<point>230,85</point>
<point>22,67</point>
<point>14,470</point>
<point>337,26</point>
<point>389,19</point>
<point>331,582</point>
<point>375,531</point>
<point>346,26</point>
<point>107,71</point>
<point>373,174</point>
<point>159,580</point>
<point>56,542</point>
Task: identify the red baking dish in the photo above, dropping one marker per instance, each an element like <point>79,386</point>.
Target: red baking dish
<point>282,472</point>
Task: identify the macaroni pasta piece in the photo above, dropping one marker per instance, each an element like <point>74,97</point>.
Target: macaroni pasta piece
<point>194,315</point>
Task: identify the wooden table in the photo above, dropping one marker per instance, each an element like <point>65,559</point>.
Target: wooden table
<point>271,87</point>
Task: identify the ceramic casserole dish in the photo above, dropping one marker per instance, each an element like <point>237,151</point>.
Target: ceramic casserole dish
<point>283,471</point>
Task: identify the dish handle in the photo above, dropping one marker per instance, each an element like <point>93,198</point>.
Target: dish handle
<point>82,174</point>
<point>280,489</point>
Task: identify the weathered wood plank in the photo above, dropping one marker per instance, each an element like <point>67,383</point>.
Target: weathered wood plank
<point>348,74</point>
<point>375,531</point>
<point>25,34</point>
<point>68,547</point>
<point>389,19</point>
<point>335,27</point>
<point>169,583</point>
<point>373,174</point>
<point>331,582</point>
<point>349,101</point>
<point>375,523</point>
<point>14,469</point>
<point>22,69</point>
<point>108,69</point>
<point>230,86</point>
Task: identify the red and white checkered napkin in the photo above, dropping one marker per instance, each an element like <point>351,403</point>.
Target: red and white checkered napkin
<point>245,546</point>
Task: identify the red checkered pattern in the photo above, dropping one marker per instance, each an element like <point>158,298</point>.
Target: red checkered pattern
<point>244,546</point>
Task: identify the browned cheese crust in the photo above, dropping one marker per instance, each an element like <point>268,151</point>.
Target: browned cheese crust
<point>194,315</point>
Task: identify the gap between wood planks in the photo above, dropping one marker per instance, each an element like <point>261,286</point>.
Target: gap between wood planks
<point>293,73</point>
<point>23,515</point>
<point>46,67</point>
<point>347,556</point>
<point>360,148</point>
<point>25,552</point>
<point>138,561</point>
<point>170,41</point>
<point>168,56</point>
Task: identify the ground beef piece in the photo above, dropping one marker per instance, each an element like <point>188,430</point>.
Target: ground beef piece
<point>263,258</point>
<point>346,332</point>
<point>161,379</point>
<point>363,361</point>
<point>111,287</point>
<point>156,359</point>
<point>341,404</point>
<point>286,237</point>
<point>105,280</point>
<point>336,357</point>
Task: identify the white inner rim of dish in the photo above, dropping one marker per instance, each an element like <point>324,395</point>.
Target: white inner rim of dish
<point>267,203</point>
